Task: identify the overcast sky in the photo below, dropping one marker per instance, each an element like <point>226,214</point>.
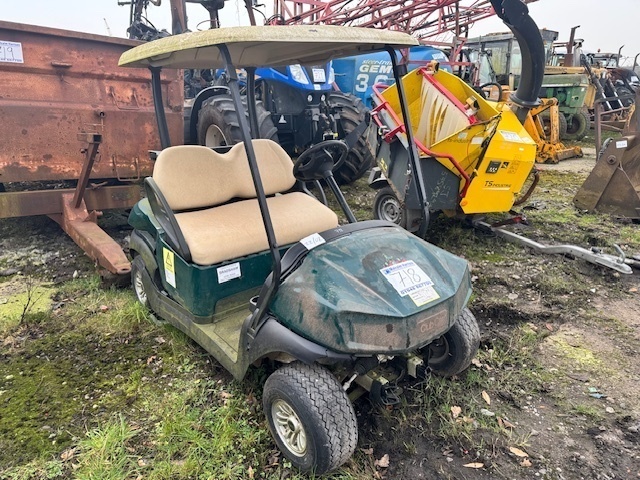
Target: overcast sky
<point>604,25</point>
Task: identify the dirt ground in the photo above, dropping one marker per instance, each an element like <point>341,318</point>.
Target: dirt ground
<point>584,423</point>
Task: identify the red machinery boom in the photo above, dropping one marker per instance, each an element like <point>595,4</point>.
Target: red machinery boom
<point>422,18</point>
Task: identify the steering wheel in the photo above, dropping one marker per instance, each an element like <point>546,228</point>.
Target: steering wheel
<point>315,161</point>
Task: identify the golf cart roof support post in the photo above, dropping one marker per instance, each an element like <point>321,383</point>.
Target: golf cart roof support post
<point>414,158</point>
<point>158,105</point>
<point>251,102</point>
<point>264,300</point>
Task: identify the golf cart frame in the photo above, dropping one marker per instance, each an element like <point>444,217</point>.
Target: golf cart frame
<point>360,318</point>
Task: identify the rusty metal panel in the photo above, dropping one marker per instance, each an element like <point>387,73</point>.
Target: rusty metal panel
<point>49,202</point>
<point>64,85</point>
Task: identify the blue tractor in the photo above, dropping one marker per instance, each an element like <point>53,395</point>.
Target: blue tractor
<point>297,107</point>
<point>358,74</point>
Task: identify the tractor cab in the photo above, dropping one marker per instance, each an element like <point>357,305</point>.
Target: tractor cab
<point>231,248</point>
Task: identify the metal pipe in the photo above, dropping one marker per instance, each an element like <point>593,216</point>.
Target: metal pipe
<point>414,158</point>
<point>90,157</point>
<point>568,58</point>
<point>515,15</point>
<point>158,105</point>
<point>265,299</point>
<point>251,102</point>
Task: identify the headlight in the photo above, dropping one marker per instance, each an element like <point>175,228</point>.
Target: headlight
<point>297,72</point>
<point>332,75</point>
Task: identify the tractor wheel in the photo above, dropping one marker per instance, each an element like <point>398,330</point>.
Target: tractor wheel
<point>218,123</point>
<point>452,353</point>
<point>579,126</point>
<point>310,417</point>
<point>359,159</point>
<point>386,206</point>
<point>546,123</point>
<point>624,91</point>
<point>137,269</point>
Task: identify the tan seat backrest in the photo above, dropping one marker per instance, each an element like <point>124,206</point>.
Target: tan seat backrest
<point>440,117</point>
<point>191,176</point>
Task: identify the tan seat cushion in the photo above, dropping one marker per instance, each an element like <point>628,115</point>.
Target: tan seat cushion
<point>191,176</point>
<point>236,229</point>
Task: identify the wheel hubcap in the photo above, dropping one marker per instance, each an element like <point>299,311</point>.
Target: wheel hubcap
<point>289,427</point>
<point>139,287</point>
<point>390,210</point>
<point>438,350</point>
<point>214,137</point>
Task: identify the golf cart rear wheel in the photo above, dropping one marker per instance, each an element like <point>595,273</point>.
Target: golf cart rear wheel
<point>352,112</point>
<point>137,269</point>
<point>452,353</point>
<point>386,206</point>
<point>218,123</point>
<point>578,127</point>
<point>310,417</point>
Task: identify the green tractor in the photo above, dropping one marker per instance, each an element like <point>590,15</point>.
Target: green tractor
<point>231,249</point>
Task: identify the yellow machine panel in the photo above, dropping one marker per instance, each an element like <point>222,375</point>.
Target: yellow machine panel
<point>481,142</point>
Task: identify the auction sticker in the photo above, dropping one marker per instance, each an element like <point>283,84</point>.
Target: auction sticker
<point>169,267</point>
<point>229,272</point>
<point>407,278</point>
<point>312,241</point>
<point>11,52</point>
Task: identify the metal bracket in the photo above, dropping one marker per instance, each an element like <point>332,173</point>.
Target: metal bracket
<point>594,256</point>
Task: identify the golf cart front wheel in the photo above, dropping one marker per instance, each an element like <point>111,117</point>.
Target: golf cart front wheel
<point>386,206</point>
<point>452,353</point>
<point>310,417</point>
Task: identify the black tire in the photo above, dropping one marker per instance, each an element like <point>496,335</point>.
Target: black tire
<point>546,123</point>
<point>310,400</point>
<point>452,353</point>
<point>579,126</point>
<point>352,112</point>
<point>623,92</point>
<point>386,206</point>
<point>218,122</point>
<point>137,269</point>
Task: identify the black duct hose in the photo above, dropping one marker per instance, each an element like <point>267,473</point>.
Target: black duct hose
<point>515,14</point>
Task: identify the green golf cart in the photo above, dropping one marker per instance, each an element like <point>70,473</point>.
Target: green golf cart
<point>230,247</point>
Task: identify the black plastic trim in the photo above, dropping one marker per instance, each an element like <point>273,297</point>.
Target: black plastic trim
<point>143,244</point>
<point>166,218</point>
<point>274,337</point>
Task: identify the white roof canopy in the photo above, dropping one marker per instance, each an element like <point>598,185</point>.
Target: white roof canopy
<point>263,46</point>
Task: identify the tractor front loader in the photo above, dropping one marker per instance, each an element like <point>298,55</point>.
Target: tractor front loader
<point>612,186</point>
<point>549,148</point>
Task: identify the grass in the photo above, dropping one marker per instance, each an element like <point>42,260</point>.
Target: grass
<point>178,416</point>
<point>125,398</point>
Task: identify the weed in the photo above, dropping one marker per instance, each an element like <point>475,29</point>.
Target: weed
<point>35,470</point>
<point>590,411</point>
<point>105,452</point>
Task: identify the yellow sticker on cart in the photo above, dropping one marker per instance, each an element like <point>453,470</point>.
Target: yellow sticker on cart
<point>169,267</point>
